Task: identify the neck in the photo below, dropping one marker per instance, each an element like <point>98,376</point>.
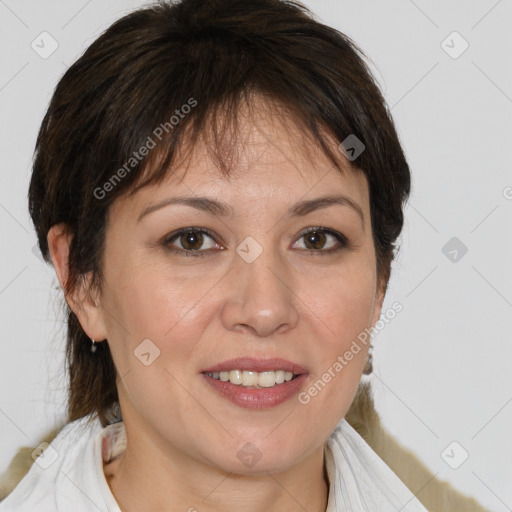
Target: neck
<point>143,478</point>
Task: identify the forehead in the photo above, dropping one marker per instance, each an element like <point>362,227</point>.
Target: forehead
<point>268,156</point>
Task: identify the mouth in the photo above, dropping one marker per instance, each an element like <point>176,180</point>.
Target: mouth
<point>256,383</point>
<point>255,373</point>
<point>253,380</point>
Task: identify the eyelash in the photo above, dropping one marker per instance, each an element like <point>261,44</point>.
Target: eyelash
<point>344,242</point>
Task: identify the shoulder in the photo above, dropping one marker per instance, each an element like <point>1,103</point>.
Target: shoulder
<point>437,495</point>
<point>35,472</point>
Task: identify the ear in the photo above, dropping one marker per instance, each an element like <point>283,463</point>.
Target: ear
<point>377,305</point>
<point>85,304</point>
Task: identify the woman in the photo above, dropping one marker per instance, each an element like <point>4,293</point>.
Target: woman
<point>219,186</point>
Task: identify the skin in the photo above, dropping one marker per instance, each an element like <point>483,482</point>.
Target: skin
<point>292,302</point>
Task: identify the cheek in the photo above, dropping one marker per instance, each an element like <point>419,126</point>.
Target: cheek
<point>167,313</point>
<point>344,301</point>
<point>147,302</point>
<point>341,309</point>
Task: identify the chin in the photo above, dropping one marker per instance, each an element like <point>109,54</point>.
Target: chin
<point>255,456</point>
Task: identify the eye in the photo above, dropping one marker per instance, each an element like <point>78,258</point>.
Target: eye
<point>316,238</point>
<point>190,241</point>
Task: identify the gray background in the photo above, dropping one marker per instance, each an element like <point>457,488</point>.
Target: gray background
<point>442,366</point>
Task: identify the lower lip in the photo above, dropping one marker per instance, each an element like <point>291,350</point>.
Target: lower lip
<point>261,398</point>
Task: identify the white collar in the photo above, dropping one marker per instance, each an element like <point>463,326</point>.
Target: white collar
<point>359,480</point>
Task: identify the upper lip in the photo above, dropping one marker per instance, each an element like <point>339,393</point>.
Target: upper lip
<point>256,365</point>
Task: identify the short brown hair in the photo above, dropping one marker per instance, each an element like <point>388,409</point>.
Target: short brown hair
<point>208,55</point>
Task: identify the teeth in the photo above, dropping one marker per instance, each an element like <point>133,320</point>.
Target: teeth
<point>235,377</point>
<point>251,379</point>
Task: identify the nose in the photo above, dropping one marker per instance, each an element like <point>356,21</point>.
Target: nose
<point>262,300</point>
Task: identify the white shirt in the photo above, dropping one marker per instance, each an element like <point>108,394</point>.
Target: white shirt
<point>68,475</point>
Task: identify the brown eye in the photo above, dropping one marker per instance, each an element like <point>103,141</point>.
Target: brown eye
<point>190,242</point>
<point>315,240</point>
<point>194,242</point>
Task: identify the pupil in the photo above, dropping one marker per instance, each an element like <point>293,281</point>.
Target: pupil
<point>315,238</point>
<point>193,240</point>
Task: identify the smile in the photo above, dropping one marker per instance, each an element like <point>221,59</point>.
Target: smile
<point>256,383</point>
<point>250,379</point>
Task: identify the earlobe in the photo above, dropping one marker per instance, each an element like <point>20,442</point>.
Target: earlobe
<point>85,307</point>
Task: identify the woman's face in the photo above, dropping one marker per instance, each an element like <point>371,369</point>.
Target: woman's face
<point>254,286</point>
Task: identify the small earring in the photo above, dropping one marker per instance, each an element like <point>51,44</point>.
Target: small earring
<point>369,362</point>
<point>93,346</point>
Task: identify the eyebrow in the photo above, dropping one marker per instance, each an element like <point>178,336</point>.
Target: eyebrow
<point>219,208</point>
